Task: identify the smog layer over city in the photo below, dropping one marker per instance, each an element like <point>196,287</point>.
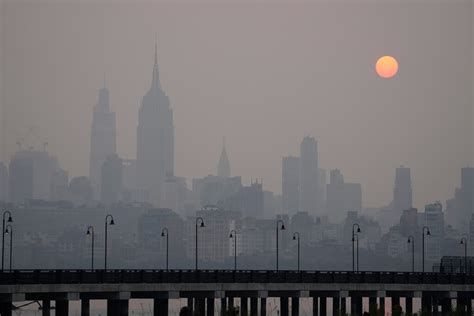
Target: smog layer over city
<point>197,157</point>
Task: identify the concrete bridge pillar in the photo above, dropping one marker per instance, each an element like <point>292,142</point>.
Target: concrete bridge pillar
<point>427,305</point>
<point>46,308</point>
<point>336,306</point>
<point>253,306</point>
<point>85,307</point>
<point>244,306</point>
<point>356,305</point>
<point>343,306</point>
<point>223,306</point>
<point>315,306</point>
<point>396,309</point>
<point>62,308</point>
<point>323,306</point>
<point>190,304</point>
<point>284,306</point>
<point>469,306</point>
<point>117,308</point>
<point>200,306</point>
<point>210,306</point>
<point>373,305</point>
<point>446,307</point>
<point>160,306</point>
<point>6,309</point>
<point>295,306</point>
<point>231,302</point>
<point>382,305</point>
<point>263,306</point>
<point>408,306</point>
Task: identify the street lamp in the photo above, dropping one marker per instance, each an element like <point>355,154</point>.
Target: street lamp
<point>464,242</point>
<point>296,236</point>
<point>354,233</point>
<point>233,234</point>
<point>90,231</point>
<point>426,231</point>
<point>198,220</point>
<point>10,220</point>
<point>411,240</point>
<point>282,228</point>
<point>9,230</point>
<point>164,232</point>
<point>107,223</point>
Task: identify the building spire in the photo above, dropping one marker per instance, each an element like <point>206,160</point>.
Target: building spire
<point>223,168</point>
<point>155,85</point>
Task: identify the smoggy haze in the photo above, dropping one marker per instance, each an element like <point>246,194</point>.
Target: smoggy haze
<point>263,75</point>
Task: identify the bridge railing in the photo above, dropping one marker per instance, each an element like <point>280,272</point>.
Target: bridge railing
<point>225,276</point>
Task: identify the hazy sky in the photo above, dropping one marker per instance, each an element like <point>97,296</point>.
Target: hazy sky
<point>262,74</point>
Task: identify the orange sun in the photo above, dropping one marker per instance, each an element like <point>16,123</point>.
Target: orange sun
<point>386,67</point>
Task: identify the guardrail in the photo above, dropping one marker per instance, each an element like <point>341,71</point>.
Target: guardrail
<point>226,276</point>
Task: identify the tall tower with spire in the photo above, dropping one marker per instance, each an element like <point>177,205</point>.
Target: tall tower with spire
<point>223,168</point>
<point>155,140</point>
<point>103,138</point>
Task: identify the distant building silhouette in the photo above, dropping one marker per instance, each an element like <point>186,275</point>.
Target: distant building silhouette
<point>103,139</point>
<point>309,180</point>
<point>212,189</point>
<point>402,192</point>
<point>33,175</point>
<point>434,219</point>
<point>462,205</point>
<point>155,139</point>
<point>342,196</point>
<point>290,176</point>
<point>223,168</point>
<point>80,191</point>
<point>111,180</point>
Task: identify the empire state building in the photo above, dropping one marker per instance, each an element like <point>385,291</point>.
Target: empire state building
<point>155,140</point>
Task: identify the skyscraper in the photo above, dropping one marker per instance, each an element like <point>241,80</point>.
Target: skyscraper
<point>223,168</point>
<point>155,139</point>
<point>111,180</point>
<point>434,219</point>
<point>309,180</point>
<point>342,197</point>
<point>402,193</point>
<point>290,179</point>
<point>103,139</point>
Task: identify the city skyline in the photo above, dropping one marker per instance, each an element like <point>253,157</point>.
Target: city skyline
<point>305,101</point>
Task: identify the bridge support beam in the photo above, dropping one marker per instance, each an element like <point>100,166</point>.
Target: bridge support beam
<point>253,306</point>
<point>408,306</point>
<point>200,306</point>
<point>323,306</point>
<point>373,305</point>
<point>85,307</point>
<point>356,305</point>
<point>160,306</point>
<point>117,307</point>
<point>396,309</point>
<point>223,306</point>
<point>284,306</point>
<point>336,306</point>
<point>263,306</point>
<point>446,306</point>
<point>46,308</point>
<point>190,304</point>
<point>6,309</point>
<point>210,306</point>
<point>382,305</point>
<point>426,305</point>
<point>62,308</point>
<point>295,306</point>
<point>343,306</point>
<point>315,306</point>
<point>244,306</point>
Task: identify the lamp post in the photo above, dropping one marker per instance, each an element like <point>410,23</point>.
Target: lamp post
<point>10,220</point>
<point>426,231</point>
<point>354,233</point>
<point>111,222</point>
<point>411,240</point>
<point>296,236</point>
<point>464,242</point>
<point>233,234</point>
<point>282,228</point>
<point>198,220</point>
<point>9,230</point>
<point>164,233</point>
<point>90,231</point>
